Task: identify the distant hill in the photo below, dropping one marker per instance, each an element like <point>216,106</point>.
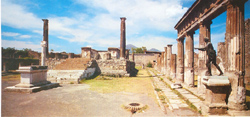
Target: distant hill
<point>153,49</point>
<point>130,46</point>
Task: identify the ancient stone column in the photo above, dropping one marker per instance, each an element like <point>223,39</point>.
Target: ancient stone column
<point>43,53</point>
<point>235,53</point>
<point>173,67</point>
<point>180,61</point>
<point>46,34</point>
<point>202,56</point>
<point>165,60</point>
<point>189,65</point>
<point>123,38</point>
<point>169,53</point>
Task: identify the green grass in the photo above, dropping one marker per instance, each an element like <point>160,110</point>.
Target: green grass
<point>11,76</point>
<point>140,84</point>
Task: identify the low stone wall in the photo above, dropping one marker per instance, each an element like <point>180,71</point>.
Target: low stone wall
<point>119,67</point>
<point>69,76</point>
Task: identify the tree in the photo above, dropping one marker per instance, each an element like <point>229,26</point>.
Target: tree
<point>8,52</point>
<point>139,50</point>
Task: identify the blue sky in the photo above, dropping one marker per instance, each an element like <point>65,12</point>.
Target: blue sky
<point>96,23</point>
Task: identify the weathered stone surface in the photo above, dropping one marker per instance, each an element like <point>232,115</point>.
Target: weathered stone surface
<point>123,38</point>
<point>46,35</point>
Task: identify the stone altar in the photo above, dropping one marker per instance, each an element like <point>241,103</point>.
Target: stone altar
<point>217,88</point>
<point>33,79</point>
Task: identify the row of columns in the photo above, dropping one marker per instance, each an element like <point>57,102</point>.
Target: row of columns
<point>235,54</point>
<point>166,62</point>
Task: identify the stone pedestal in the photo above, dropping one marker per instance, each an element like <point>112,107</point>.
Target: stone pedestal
<point>217,88</point>
<point>33,79</point>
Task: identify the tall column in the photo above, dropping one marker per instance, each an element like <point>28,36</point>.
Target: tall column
<point>202,56</point>
<point>180,61</point>
<point>123,38</point>
<point>45,34</point>
<point>169,53</point>
<point>235,54</point>
<point>189,65</point>
<point>43,53</point>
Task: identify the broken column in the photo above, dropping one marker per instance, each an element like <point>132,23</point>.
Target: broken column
<point>123,38</point>
<point>189,65</point>
<point>46,35</point>
<point>43,53</point>
<point>180,61</point>
<point>169,53</point>
<point>127,54</point>
<point>235,54</point>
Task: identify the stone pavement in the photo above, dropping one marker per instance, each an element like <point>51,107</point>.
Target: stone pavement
<point>177,105</point>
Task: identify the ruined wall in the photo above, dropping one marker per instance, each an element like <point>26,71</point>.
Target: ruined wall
<point>141,59</point>
<point>119,67</point>
<point>247,51</point>
<point>13,64</point>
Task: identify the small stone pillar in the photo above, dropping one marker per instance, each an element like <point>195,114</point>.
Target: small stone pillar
<point>133,56</point>
<point>217,89</point>
<point>123,38</point>
<point>46,34</point>
<point>180,61</point>
<point>43,53</point>
<point>71,55</point>
<point>127,54</point>
<point>189,65</point>
<point>169,53</point>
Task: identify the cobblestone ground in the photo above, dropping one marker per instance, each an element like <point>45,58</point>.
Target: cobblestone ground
<point>177,105</point>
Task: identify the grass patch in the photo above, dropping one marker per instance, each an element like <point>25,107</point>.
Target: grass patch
<point>140,84</point>
<point>11,76</point>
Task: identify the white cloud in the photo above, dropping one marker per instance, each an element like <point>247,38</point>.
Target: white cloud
<point>25,36</point>
<point>20,45</point>
<point>103,28</point>
<point>10,34</point>
<point>17,16</point>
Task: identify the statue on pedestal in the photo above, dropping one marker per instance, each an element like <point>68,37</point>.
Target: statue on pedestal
<point>211,57</point>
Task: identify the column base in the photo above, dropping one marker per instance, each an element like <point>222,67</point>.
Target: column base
<point>214,109</point>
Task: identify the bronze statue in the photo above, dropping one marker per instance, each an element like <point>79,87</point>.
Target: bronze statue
<point>211,56</point>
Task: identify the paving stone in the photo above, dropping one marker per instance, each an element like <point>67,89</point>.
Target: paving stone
<point>175,101</point>
<point>183,105</point>
<point>175,106</point>
<point>189,96</point>
<point>194,100</point>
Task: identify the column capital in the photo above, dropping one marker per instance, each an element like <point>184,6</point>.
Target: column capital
<point>189,33</point>
<point>123,18</point>
<point>45,19</point>
<point>180,39</point>
<point>170,45</point>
